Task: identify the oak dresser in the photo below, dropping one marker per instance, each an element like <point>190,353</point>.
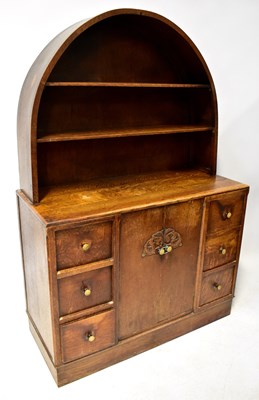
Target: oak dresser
<point>129,238</point>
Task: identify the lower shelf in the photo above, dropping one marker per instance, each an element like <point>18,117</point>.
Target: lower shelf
<point>130,347</point>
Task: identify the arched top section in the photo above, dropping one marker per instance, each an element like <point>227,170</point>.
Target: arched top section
<point>134,46</point>
<point>101,37</point>
<point>124,47</point>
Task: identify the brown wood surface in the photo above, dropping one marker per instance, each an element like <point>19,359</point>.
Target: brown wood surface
<point>149,88</point>
<point>130,84</point>
<point>77,369</point>
<point>111,158</point>
<point>123,194</point>
<point>71,290</point>
<point>73,335</point>
<point>228,241</point>
<point>69,244</point>
<point>36,274</point>
<point>68,109</point>
<point>220,276</point>
<point>117,140</point>
<point>233,203</point>
<point>144,130</point>
<point>157,288</point>
<point>112,51</point>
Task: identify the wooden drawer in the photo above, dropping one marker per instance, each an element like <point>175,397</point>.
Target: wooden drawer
<point>87,336</point>
<point>226,211</point>
<point>85,290</point>
<point>83,244</point>
<point>216,284</point>
<point>221,249</point>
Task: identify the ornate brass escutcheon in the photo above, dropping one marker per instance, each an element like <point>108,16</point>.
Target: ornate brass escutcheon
<point>162,242</point>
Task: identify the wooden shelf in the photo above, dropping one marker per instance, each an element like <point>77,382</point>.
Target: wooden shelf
<point>128,193</point>
<point>109,133</point>
<point>129,84</point>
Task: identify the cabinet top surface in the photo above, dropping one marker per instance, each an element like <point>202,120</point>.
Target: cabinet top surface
<point>123,194</point>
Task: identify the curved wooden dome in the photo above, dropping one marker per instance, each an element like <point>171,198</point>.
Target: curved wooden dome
<point>148,64</point>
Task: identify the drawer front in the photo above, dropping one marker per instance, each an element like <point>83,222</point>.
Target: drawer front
<point>85,290</point>
<point>226,212</point>
<point>221,249</point>
<point>87,336</point>
<point>83,244</point>
<point>216,285</point>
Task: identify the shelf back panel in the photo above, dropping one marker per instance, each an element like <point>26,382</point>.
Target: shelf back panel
<point>130,48</point>
<point>68,109</point>
<point>65,163</point>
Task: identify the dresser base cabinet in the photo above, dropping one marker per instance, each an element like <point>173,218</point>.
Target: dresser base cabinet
<point>154,279</point>
<point>129,238</point>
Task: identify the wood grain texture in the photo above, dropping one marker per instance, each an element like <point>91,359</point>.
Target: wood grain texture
<point>106,49</point>
<point>144,130</point>
<point>114,108</point>
<point>69,243</point>
<point>139,343</point>
<point>221,276</point>
<point>232,203</point>
<point>117,137</point>
<point>71,290</point>
<point>215,244</point>
<point>36,275</point>
<point>111,158</point>
<point>162,285</point>
<point>123,194</point>
<point>74,335</point>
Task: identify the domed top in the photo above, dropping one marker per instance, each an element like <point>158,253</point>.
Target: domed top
<point>118,49</point>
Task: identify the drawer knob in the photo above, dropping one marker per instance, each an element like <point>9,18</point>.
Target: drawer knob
<point>229,214</point>
<point>86,246</point>
<point>165,249</point>
<point>217,286</point>
<point>223,251</point>
<point>87,291</point>
<point>90,337</point>
<point>169,249</point>
<point>161,251</point>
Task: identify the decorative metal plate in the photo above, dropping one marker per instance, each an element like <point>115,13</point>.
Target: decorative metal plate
<point>165,239</point>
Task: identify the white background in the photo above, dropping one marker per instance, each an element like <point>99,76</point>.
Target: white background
<point>219,361</point>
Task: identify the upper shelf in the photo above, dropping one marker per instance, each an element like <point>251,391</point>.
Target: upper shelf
<point>138,131</point>
<point>130,84</point>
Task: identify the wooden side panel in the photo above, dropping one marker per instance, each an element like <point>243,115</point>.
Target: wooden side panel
<point>28,109</point>
<point>156,288</point>
<point>35,259</point>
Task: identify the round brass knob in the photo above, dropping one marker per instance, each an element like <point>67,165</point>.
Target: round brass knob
<point>229,214</point>
<point>86,246</point>
<point>87,291</point>
<point>223,251</point>
<point>161,251</point>
<point>169,249</point>
<point>90,337</point>
<point>217,286</point>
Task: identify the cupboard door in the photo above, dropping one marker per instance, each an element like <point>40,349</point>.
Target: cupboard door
<point>154,287</point>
